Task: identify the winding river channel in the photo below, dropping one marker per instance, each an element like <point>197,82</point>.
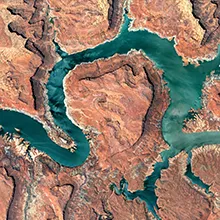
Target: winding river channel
<point>185,84</point>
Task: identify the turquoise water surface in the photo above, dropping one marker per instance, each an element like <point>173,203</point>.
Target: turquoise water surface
<point>185,85</point>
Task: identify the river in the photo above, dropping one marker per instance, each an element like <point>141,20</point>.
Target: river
<point>185,84</point>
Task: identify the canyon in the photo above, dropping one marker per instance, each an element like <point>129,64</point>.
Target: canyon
<point>119,98</point>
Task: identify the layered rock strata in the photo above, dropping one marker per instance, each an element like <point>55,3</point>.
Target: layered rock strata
<point>205,165</point>
<point>17,65</point>
<point>208,13</point>
<point>121,99</point>
<point>195,24</point>
<point>32,24</point>
<point>208,117</point>
<point>35,187</point>
<point>177,197</point>
<point>83,24</point>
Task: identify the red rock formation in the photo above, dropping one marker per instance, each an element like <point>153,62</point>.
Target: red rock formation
<point>18,65</point>
<point>6,192</point>
<point>120,102</point>
<point>27,54</point>
<point>131,209</point>
<point>181,19</point>
<point>207,118</point>
<point>34,26</point>
<point>5,40</point>
<point>212,98</point>
<point>205,165</point>
<point>177,198</point>
<point>33,186</point>
<point>124,95</point>
<point>207,11</point>
<point>82,24</point>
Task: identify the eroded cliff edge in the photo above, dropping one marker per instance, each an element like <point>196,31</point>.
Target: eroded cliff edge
<point>128,112</point>
<point>37,23</point>
<point>123,122</point>
<point>85,24</point>
<point>194,24</point>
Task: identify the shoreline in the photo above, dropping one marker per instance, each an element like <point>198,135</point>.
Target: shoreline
<point>103,42</point>
<point>84,63</point>
<point>186,60</point>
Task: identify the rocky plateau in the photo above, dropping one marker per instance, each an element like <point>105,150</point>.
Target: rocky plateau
<point>118,102</point>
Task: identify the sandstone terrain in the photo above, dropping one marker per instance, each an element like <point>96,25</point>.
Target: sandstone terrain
<point>124,94</point>
<point>17,66</point>
<point>208,117</point>
<point>28,28</point>
<point>31,24</point>
<point>178,198</point>
<point>27,53</point>
<point>194,24</point>
<point>205,164</point>
<point>84,24</point>
<point>33,186</point>
<point>119,103</point>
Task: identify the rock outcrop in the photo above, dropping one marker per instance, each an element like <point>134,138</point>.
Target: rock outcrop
<point>208,13</point>
<point>208,117</point>
<point>195,24</point>
<point>177,198</point>
<point>33,186</point>
<point>121,99</point>
<point>17,65</point>
<point>119,103</point>
<point>35,27</point>
<point>205,165</point>
<point>84,24</point>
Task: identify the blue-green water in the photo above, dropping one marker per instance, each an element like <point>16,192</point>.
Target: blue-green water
<point>33,132</point>
<point>185,84</point>
<point>194,179</point>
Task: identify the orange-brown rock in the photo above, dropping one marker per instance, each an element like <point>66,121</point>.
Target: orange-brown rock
<point>212,98</point>
<point>26,53</point>
<point>6,192</point>
<point>82,24</point>
<point>208,13</point>
<point>119,102</point>
<point>194,25</point>
<point>5,40</point>
<point>113,96</point>
<point>207,118</point>
<point>37,186</point>
<point>202,121</point>
<point>121,99</point>
<point>17,65</point>
<point>131,209</point>
<point>33,24</point>
<point>177,198</point>
<point>205,165</point>
<point>33,186</point>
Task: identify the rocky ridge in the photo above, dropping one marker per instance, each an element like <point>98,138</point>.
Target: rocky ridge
<point>128,113</point>
<point>195,24</point>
